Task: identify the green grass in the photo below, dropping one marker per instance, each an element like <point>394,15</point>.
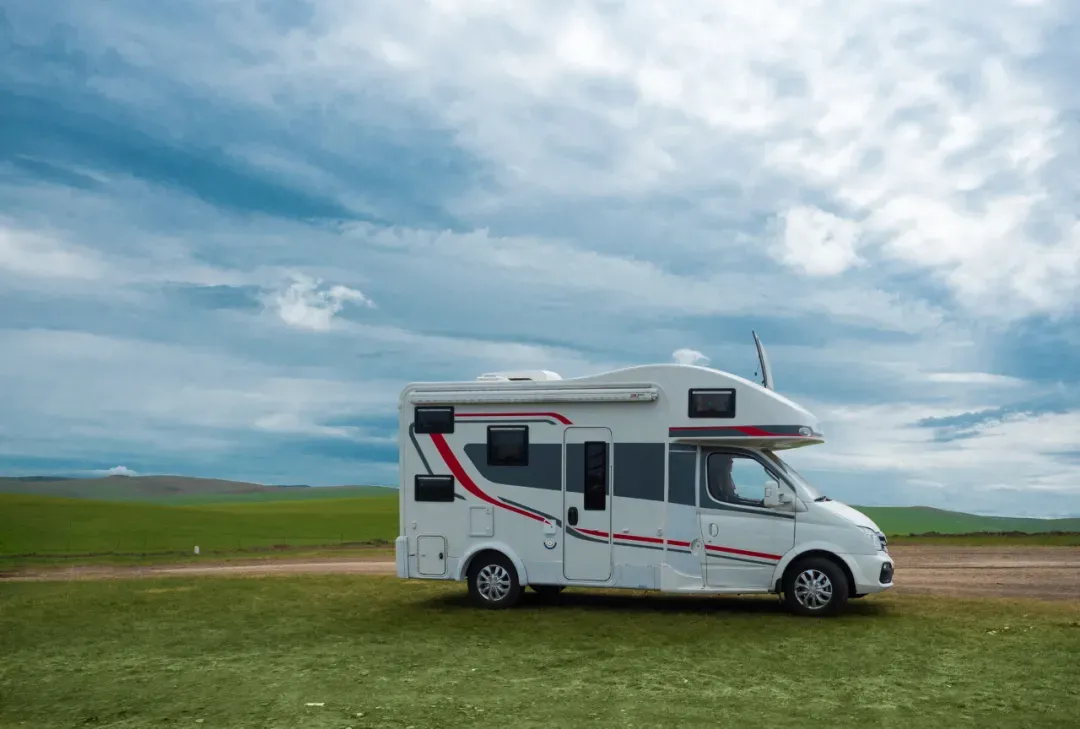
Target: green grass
<point>36,529</point>
<point>377,652</point>
<point>897,520</point>
<point>45,525</point>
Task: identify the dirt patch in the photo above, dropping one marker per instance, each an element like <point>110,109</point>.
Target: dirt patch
<point>1033,572</point>
<point>1051,573</point>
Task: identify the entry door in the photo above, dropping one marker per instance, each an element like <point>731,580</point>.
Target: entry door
<point>588,456</point>
<point>744,540</point>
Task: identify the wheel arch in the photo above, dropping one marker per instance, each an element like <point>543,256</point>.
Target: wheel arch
<point>499,548</point>
<point>820,550</point>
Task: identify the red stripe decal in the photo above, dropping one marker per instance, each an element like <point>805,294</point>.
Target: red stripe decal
<point>751,430</point>
<point>743,552</point>
<point>636,538</point>
<point>561,418</point>
<point>464,479</point>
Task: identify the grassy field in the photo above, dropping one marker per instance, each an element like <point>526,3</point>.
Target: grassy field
<point>897,520</point>
<point>46,525</point>
<point>376,652</point>
<point>37,528</point>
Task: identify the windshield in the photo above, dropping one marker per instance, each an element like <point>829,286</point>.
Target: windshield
<point>792,474</point>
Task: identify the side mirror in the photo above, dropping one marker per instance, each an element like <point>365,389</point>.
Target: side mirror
<point>772,494</point>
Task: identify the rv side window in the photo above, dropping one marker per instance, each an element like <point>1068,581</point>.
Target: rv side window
<point>430,419</point>
<point>712,403</point>
<point>734,479</point>
<point>596,471</point>
<point>508,445</point>
<point>433,488</point>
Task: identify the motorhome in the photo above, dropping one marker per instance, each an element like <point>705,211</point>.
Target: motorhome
<point>665,477</point>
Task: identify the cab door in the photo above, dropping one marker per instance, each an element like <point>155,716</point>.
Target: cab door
<point>587,543</point>
<point>743,539</point>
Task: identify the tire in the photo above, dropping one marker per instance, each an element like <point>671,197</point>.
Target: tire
<point>815,587</point>
<point>493,582</point>
<point>547,592</point>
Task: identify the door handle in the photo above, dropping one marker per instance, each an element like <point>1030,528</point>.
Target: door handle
<point>713,530</point>
<point>571,516</point>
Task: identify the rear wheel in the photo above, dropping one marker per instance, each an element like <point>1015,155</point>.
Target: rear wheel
<point>815,586</point>
<point>493,581</point>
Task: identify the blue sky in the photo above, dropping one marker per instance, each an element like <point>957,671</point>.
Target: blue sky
<point>230,232</point>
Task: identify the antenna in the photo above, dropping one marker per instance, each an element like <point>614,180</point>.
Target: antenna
<point>763,360</point>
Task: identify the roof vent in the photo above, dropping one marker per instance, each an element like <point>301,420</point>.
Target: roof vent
<point>520,376</point>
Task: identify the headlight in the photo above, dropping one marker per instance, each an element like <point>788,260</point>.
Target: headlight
<point>876,538</point>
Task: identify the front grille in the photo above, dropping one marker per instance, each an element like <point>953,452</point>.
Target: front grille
<point>886,575</point>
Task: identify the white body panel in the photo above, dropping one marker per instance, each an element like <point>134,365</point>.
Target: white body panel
<point>667,522</point>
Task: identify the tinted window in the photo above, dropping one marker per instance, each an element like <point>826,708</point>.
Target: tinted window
<point>734,479</point>
<point>712,404</point>
<point>596,471</point>
<point>508,445</point>
<point>433,488</point>
<point>434,419</point>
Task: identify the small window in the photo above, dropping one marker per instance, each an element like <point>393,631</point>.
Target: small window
<point>712,404</point>
<point>596,472</point>
<point>508,445</point>
<point>433,488</point>
<point>434,419</point>
<point>734,479</point>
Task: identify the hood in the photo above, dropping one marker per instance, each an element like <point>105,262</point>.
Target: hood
<point>853,515</point>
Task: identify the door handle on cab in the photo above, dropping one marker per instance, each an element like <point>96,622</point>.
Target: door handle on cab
<point>713,530</point>
<point>571,516</point>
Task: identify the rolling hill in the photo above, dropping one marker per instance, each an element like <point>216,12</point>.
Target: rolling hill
<point>177,490</point>
<point>897,520</point>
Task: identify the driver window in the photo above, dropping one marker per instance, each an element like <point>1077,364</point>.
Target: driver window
<point>734,479</point>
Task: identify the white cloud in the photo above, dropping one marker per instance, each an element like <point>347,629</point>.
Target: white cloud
<point>817,243</point>
<point>1021,450</point>
<point>303,305</point>
<point>689,357</point>
<point>120,471</point>
<point>918,119</point>
<point>630,285</point>
<point>41,254</point>
<point>974,378</point>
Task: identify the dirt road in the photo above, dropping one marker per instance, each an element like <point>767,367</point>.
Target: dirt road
<point>1036,572</point>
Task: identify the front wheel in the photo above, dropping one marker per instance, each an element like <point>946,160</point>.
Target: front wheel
<point>493,581</point>
<point>815,587</point>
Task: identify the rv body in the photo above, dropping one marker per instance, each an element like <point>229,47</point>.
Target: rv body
<point>661,477</point>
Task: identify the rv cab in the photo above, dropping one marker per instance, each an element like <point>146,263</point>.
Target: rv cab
<point>664,477</point>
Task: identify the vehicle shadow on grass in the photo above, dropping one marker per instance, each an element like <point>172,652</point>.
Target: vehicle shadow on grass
<point>635,602</point>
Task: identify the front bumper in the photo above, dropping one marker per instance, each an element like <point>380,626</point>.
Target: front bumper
<point>872,572</point>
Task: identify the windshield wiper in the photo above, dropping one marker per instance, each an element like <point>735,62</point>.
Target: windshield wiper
<point>823,498</point>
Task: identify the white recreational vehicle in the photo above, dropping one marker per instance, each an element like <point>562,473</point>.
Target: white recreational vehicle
<point>663,477</point>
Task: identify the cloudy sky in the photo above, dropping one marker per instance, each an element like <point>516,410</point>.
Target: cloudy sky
<point>231,231</point>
